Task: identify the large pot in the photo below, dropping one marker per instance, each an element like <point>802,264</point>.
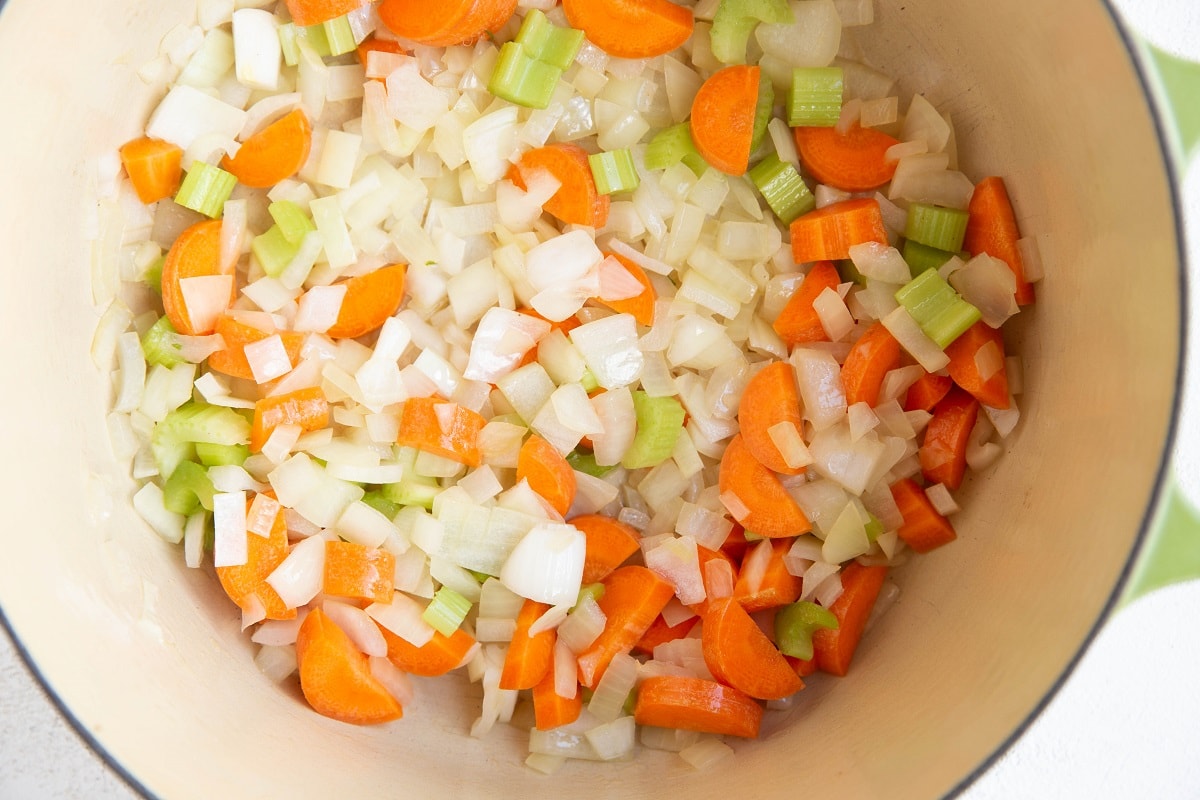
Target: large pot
<point>147,658</point>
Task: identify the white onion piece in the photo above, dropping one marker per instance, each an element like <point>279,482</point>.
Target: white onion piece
<point>520,209</point>
<point>850,463</point>
<point>229,524</point>
<point>277,663</point>
<point>910,336</point>
<point>862,419</point>
<point>582,626</point>
<point>502,339</point>
<point>819,378</point>
<point>257,51</point>
<point>1004,419</point>
<point>943,501</point>
<point>615,411</point>
<point>148,502</point>
<point>131,366</point>
<point>564,259</point>
<point>301,576</point>
<point>566,674</point>
<point>847,537</point>
<point>608,698</point>
<point>186,114</point>
<point>490,142</point>
<point>412,100</point>
<point>268,358</point>
<point>356,624</point>
<point>206,297</point>
<point>613,740</point>
<point>610,348</point>
<point>259,115</point>
<point>402,616</point>
<point>301,484</point>
<point>706,752</point>
<point>835,317</point>
<point>924,124</point>
<point>811,40</point>
<point>988,284</point>
<point>395,680</point>
<point>233,233</point>
<point>880,262</point>
<point>547,564</point>
<point>790,444</point>
<point>616,282</point>
<point>677,562</point>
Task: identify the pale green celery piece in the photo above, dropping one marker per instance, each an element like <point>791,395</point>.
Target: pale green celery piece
<point>339,35</point>
<point>205,189</point>
<point>659,423</point>
<point>939,310</point>
<point>936,226</point>
<point>160,345</point>
<point>273,251</point>
<point>735,20</point>
<point>795,625</point>
<point>173,440</point>
<point>672,145</point>
<point>764,109</point>
<point>815,99</point>
<point>614,171</point>
<point>546,42</point>
<point>523,80</point>
<point>446,611</point>
<point>782,187</point>
<point>188,489</point>
<point>221,455</point>
<point>293,223</point>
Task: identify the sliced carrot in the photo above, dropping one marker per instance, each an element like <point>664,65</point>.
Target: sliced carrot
<point>706,555</point>
<point>609,543</point>
<point>771,510</point>
<point>964,369</point>
<point>924,529</point>
<point>927,392</point>
<point>777,587</point>
<point>307,408</point>
<point>770,398</point>
<point>943,451</point>
<point>661,633</point>
<point>359,572</point>
<point>488,16</point>
<point>798,322</point>
<point>992,229</point>
<point>373,44</point>
<point>633,597</point>
<point>436,657</point>
<point>196,253</point>
<point>740,655</point>
<point>451,433</point>
<point>640,307</point>
<point>853,161</point>
<point>441,23</point>
<point>529,658</point>
<point>552,710</point>
<point>873,356</point>
<point>155,168</point>
<point>275,153</point>
<point>314,12</point>
<point>696,704</point>
<point>577,200</point>
<point>336,677</point>
<point>828,233</point>
<point>548,474</point>
<point>723,118</point>
<point>631,28</point>
<point>370,299</point>
<point>834,649</point>
<point>231,360</point>
<point>248,581</point>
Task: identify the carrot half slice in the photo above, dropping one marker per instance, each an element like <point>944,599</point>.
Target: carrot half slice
<point>577,200</point>
<point>307,408</point>
<point>943,452</point>
<point>696,704</point>
<point>770,510</point>
<point>548,474</point>
<point>964,366</point>
<point>927,392</point>
<point>740,655</point>
<point>834,649</point>
<point>196,253</point>
<point>452,432</point>
<point>529,658</point>
<point>609,543</point>
<point>370,299</point>
<point>723,118</point>
<point>776,587</point>
<point>631,28</point>
<point>275,153</point>
<point>436,657</point>
<point>359,572</point>
<point>441,23</point>
<point>633,598</point>
<point>924,529</point>
<point>335,676</point>
<point>992,229</point>
<point>828,233</point>
<point>870,359</point>
<point>854,161</point>
<point>314,12</point>
<point>770,398</point>
<point>799,322</point>
<point>550,709</point>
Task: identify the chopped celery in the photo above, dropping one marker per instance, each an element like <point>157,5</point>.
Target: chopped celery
<point>174,438</point>
<point>849,272</point>
<point>784,190</point>
<point>589,382</point>
<point>942,314</point>
<point>153,275</point>
<point>339,35</point>
<point>593,590</point>
<point>188,489</point>
<point>288,35</point>
<point>546,42</point>
<point>160,344</point>
<point>205,189</point>
<point>659,423</point>
<point>273,251</point>
<point>614,171</point>
<point>795,625</point>
<point>874,527</point>
<point>446,611</point>
<point>921,257</point>
<point>222,455</point>
<point>751,536</point>
<point>764,109</point>
<point>586,463</point>
<point>291,220</point>
<point>672,145</point>
<point>935,226</point>
<point>735,20</point>
<point>523,80</point>
<point>413,489</point>
<point>479,576</point>
<point>816,97</point>
<point>380,503</point>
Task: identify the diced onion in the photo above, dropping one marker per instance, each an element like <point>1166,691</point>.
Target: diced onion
<point>357,625</point>
<point>301,576</point>
<point>547,564</point>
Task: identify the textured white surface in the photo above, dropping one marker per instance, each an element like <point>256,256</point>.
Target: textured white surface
<point>1126,724</point>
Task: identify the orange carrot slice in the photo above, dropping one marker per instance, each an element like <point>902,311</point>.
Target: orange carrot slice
<point>696,704</point>
<point>609,544</point>
<point>370,299</point>
<point>155,168</point>
<point>307,408</point>
<point>550,709</point>
<point>633,597</point>
<point>776,588</point>
<point>723,118</point>
<point>798,322</point>
<point>924,529</point>
<point>275,153</point>
<point>248,581</point>
<point>196,253</point>
<point>854,161</point>
<point>740,655</point>
<point>436,657</point>
<point>927,392</point>
<point>992,229</point>
<point>834,649</point>
<point>529,658</point>
<point>577,200</point>
<point>828,233</point>
<point>871,358</point>
<point>705,556</point>
<point>642,306</point>
<point>548,474</point>
<point>631,28</point>
<point>770,398</point>
<point>359,572</point>
<point>336,677</point>
<point>451,433</point>
<point>943,452</point>
<point>314,12</point>
<point>441,23</point>
<point>964,369</point>
<point>771,511</point>
<point>232,359</point>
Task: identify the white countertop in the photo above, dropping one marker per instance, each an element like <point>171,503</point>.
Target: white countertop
<point>1125,725</point>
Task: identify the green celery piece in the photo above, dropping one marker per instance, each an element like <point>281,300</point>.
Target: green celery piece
<point>222,455</point>
<point>849,272</point>
<point>735,20</point>
<point>339,35</point>
<point>614,171</point>
<point>273,251</point>
<point>659,423</point>
<point>479,576</point>
<point>293,223</point>
<point>921,257</point>
<point>446,611</point>
<point>522,80</point>
<point>764,109</point>
<point>153,275</point>
<point>784,190</point>
<point>413,489</point>
<point>942,314</point>
<point>589,382</point>
<point>594,590</point>
<point>546,42</point>
<point>205,189</point>
<point>315,37</point>
<point>287,41</point>
<point>873,528</point>
<point>937,227</point>
<point>672,145</point>
<point>173,439</point>
<point>586,463</point>
<point>795,625</point>
<point>160,344</point>
<point>377,501</point>
<point>188,489</point>
<point>815,99</point>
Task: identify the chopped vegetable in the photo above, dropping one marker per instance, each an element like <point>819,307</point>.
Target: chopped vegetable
<point>815,98</point>
<point>723,116</point>
<point>624,29</point>
<point>154,168</point>
<point>855,160</point>
<point>942,314</point>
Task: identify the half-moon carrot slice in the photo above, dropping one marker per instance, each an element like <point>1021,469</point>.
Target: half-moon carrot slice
<point>854,161</point>
<point>739,654</point>
<point>723,118</point>
<point>196,253</point>
<point>631,28</point>
<point>370,299</point>
<point>771,397</point>
<point>336,678</point>
<point>275,153</point>
<point>769,510</point>
<point>696,704</point>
